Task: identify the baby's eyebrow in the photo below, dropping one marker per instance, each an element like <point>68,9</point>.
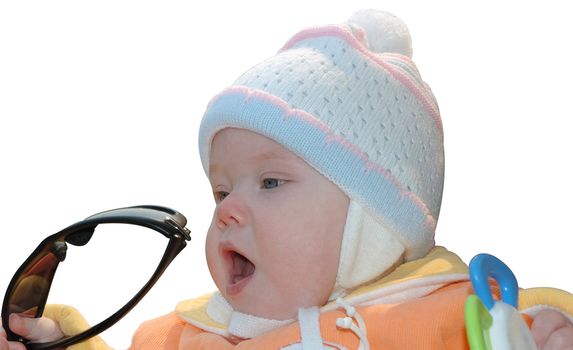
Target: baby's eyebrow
<point>283,155</point>
<point>272,155</point>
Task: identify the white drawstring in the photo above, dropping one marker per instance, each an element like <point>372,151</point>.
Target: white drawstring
<point>347,323</point>
<point>309,322</point>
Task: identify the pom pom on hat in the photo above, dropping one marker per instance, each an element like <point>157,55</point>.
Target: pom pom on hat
<point>384,31</point>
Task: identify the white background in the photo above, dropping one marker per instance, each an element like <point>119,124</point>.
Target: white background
<point>100,104</point>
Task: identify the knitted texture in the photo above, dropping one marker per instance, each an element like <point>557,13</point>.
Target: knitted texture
<point>363,119</point>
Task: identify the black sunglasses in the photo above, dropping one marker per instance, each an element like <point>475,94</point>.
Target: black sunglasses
<point>28,290</point>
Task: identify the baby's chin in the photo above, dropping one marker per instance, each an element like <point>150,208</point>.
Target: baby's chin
<point>266,300</point>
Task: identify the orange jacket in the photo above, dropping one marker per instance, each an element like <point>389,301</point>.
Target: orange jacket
<point>435,321</point>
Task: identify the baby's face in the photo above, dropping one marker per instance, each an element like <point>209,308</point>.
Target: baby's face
<point>274,242</point>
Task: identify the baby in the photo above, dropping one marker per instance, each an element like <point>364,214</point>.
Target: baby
<point>327,166</point>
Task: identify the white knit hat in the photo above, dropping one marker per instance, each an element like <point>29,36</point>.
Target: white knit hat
<point>349,101</point>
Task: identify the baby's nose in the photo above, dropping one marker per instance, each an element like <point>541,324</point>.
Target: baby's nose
<point>231,211</point>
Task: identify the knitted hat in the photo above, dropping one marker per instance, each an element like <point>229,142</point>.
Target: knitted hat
<point>349,101</point>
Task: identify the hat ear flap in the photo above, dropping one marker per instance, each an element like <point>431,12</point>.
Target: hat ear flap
<point>368,250</point>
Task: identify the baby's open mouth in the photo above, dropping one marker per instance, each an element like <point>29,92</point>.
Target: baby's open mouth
<point>241,267</point>
<point>240,271</point>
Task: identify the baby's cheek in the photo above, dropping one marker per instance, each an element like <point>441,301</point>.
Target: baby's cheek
<point>213,258</point>
<point>317,275</point>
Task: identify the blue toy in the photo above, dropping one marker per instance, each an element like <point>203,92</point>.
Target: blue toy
<point>495,324</point>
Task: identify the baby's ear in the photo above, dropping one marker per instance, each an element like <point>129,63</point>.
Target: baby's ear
<point>381,32</point>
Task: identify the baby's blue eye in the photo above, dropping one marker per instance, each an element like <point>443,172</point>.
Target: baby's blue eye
<point>272,183</point>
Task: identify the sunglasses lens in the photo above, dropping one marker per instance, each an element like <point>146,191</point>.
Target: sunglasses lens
<point>32,287</point>
<point>98,278</point>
